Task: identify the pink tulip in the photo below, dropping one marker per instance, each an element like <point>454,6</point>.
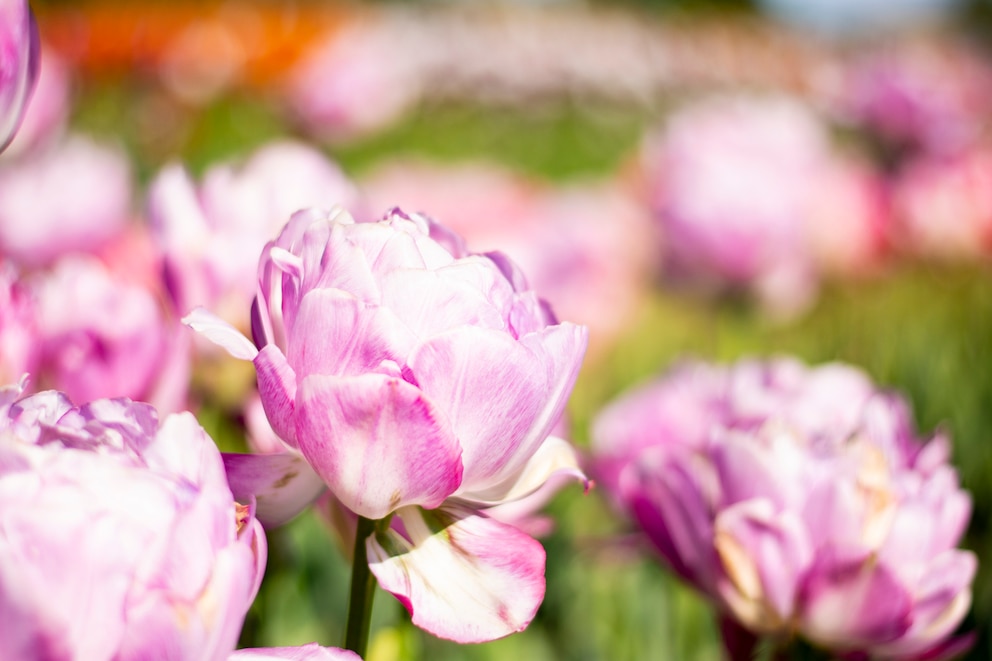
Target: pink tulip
<point>19,347</point>
<point>212,234</point>
<point>420,382</point>
<point>750,197</point>
<point>120,537</point>
<point>799,500</point>
<point>102,336</point>
<point>47,113</point>
<point>19,54</point>
<point>76,193</point>
<point>311,652</point>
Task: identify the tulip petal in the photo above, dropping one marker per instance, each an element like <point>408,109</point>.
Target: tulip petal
<point>283,485</point>
<point>221,333</point>
<point>505,395</point>
<point>309,652</point>
<point>556,457</point>
<point>377,442</point>
<point>466,578</point>
<point>277,390</point>
<point>853,602</point>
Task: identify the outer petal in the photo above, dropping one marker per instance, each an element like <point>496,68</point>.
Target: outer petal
<point>377,442</point>
<point>505,396</point>
<point>19,46</point>
<point>283,485</point>
<point>470,580</point>
<point>277,390</point>
<point>221,333</point>
<point>853,603</point>
<point>310,652</point>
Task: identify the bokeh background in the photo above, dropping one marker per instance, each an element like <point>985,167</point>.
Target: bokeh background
<point>468,107</point>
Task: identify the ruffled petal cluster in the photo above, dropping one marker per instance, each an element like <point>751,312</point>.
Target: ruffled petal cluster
<point>119,537</point>
<point>798,499</point>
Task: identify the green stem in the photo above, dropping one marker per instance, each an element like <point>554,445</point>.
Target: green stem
<point>362,592</point>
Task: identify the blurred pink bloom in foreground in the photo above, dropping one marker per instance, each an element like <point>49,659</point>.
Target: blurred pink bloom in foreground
<point>747,190</point>
<point>48,111</point>
<point>121,538</point>
<point>212,235</point>
<point>19,59</point>
<point>418,380</point>
<point>798,499</point>
<point>585,247</point>
<point>73,196</point>
<point>19,346</point>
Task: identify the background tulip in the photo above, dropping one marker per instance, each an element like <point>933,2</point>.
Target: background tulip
<point>799,500</point>
<point>120,537</point>
<point>19,48</point>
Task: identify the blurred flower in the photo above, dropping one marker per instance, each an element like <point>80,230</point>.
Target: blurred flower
<point>311,652</point>
<point>19,53</point>
<point>943,205</point>
<point>799,500</point>
<point>212,235</point>
<point>421,381</point>
<point>71,197</point>
<point>102,336</point>
<point>358,80</point>
<point>750,194</point>
<point>19,347</point>
<point>586,247</point>
<point>121,538</point>
<point>934,97</point>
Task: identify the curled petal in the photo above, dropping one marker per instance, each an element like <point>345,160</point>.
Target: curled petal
<point>221,333</point>
<point>283,485</point>
<point>377,442</point>
<point>463,577</point>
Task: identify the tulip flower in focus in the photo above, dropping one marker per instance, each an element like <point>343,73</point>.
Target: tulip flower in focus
<point>19,60</point>
<point>120,536</point>
<point>800,501</point>
<point>420,382</point>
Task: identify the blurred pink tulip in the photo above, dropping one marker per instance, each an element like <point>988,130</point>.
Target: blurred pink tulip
<point>19,48</point>
<point>121,538</point>
<point>48,110</point>
<point>91,206</point>
<point>102,336</point>
<point>213,234</point>
<point>421,383</point>
<point>799,500</point>
<point>19,346</point>
<point>943,205</point>
<point>750,194</point>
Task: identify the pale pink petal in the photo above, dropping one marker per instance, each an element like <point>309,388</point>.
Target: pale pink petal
<point>464,577</point>
<point>221,333</point>
<point>277,390</point>
<point>283,485</point>
<point>505,396</point>
<point>378,442</point>
<point>309,652</point>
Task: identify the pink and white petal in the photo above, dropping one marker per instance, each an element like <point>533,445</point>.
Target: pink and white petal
<point>283,485</point>
<point>277,390</point>
<point>309,652</point>
<point>356,337</point>
<point>465,578</point>
<point>378,442</point>
<point>221,333</point>
<point>503,411</point>
<point>850,603</point>
<point>556,460</point>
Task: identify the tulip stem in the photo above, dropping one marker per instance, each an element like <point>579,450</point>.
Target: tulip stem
<point>362,592</point>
